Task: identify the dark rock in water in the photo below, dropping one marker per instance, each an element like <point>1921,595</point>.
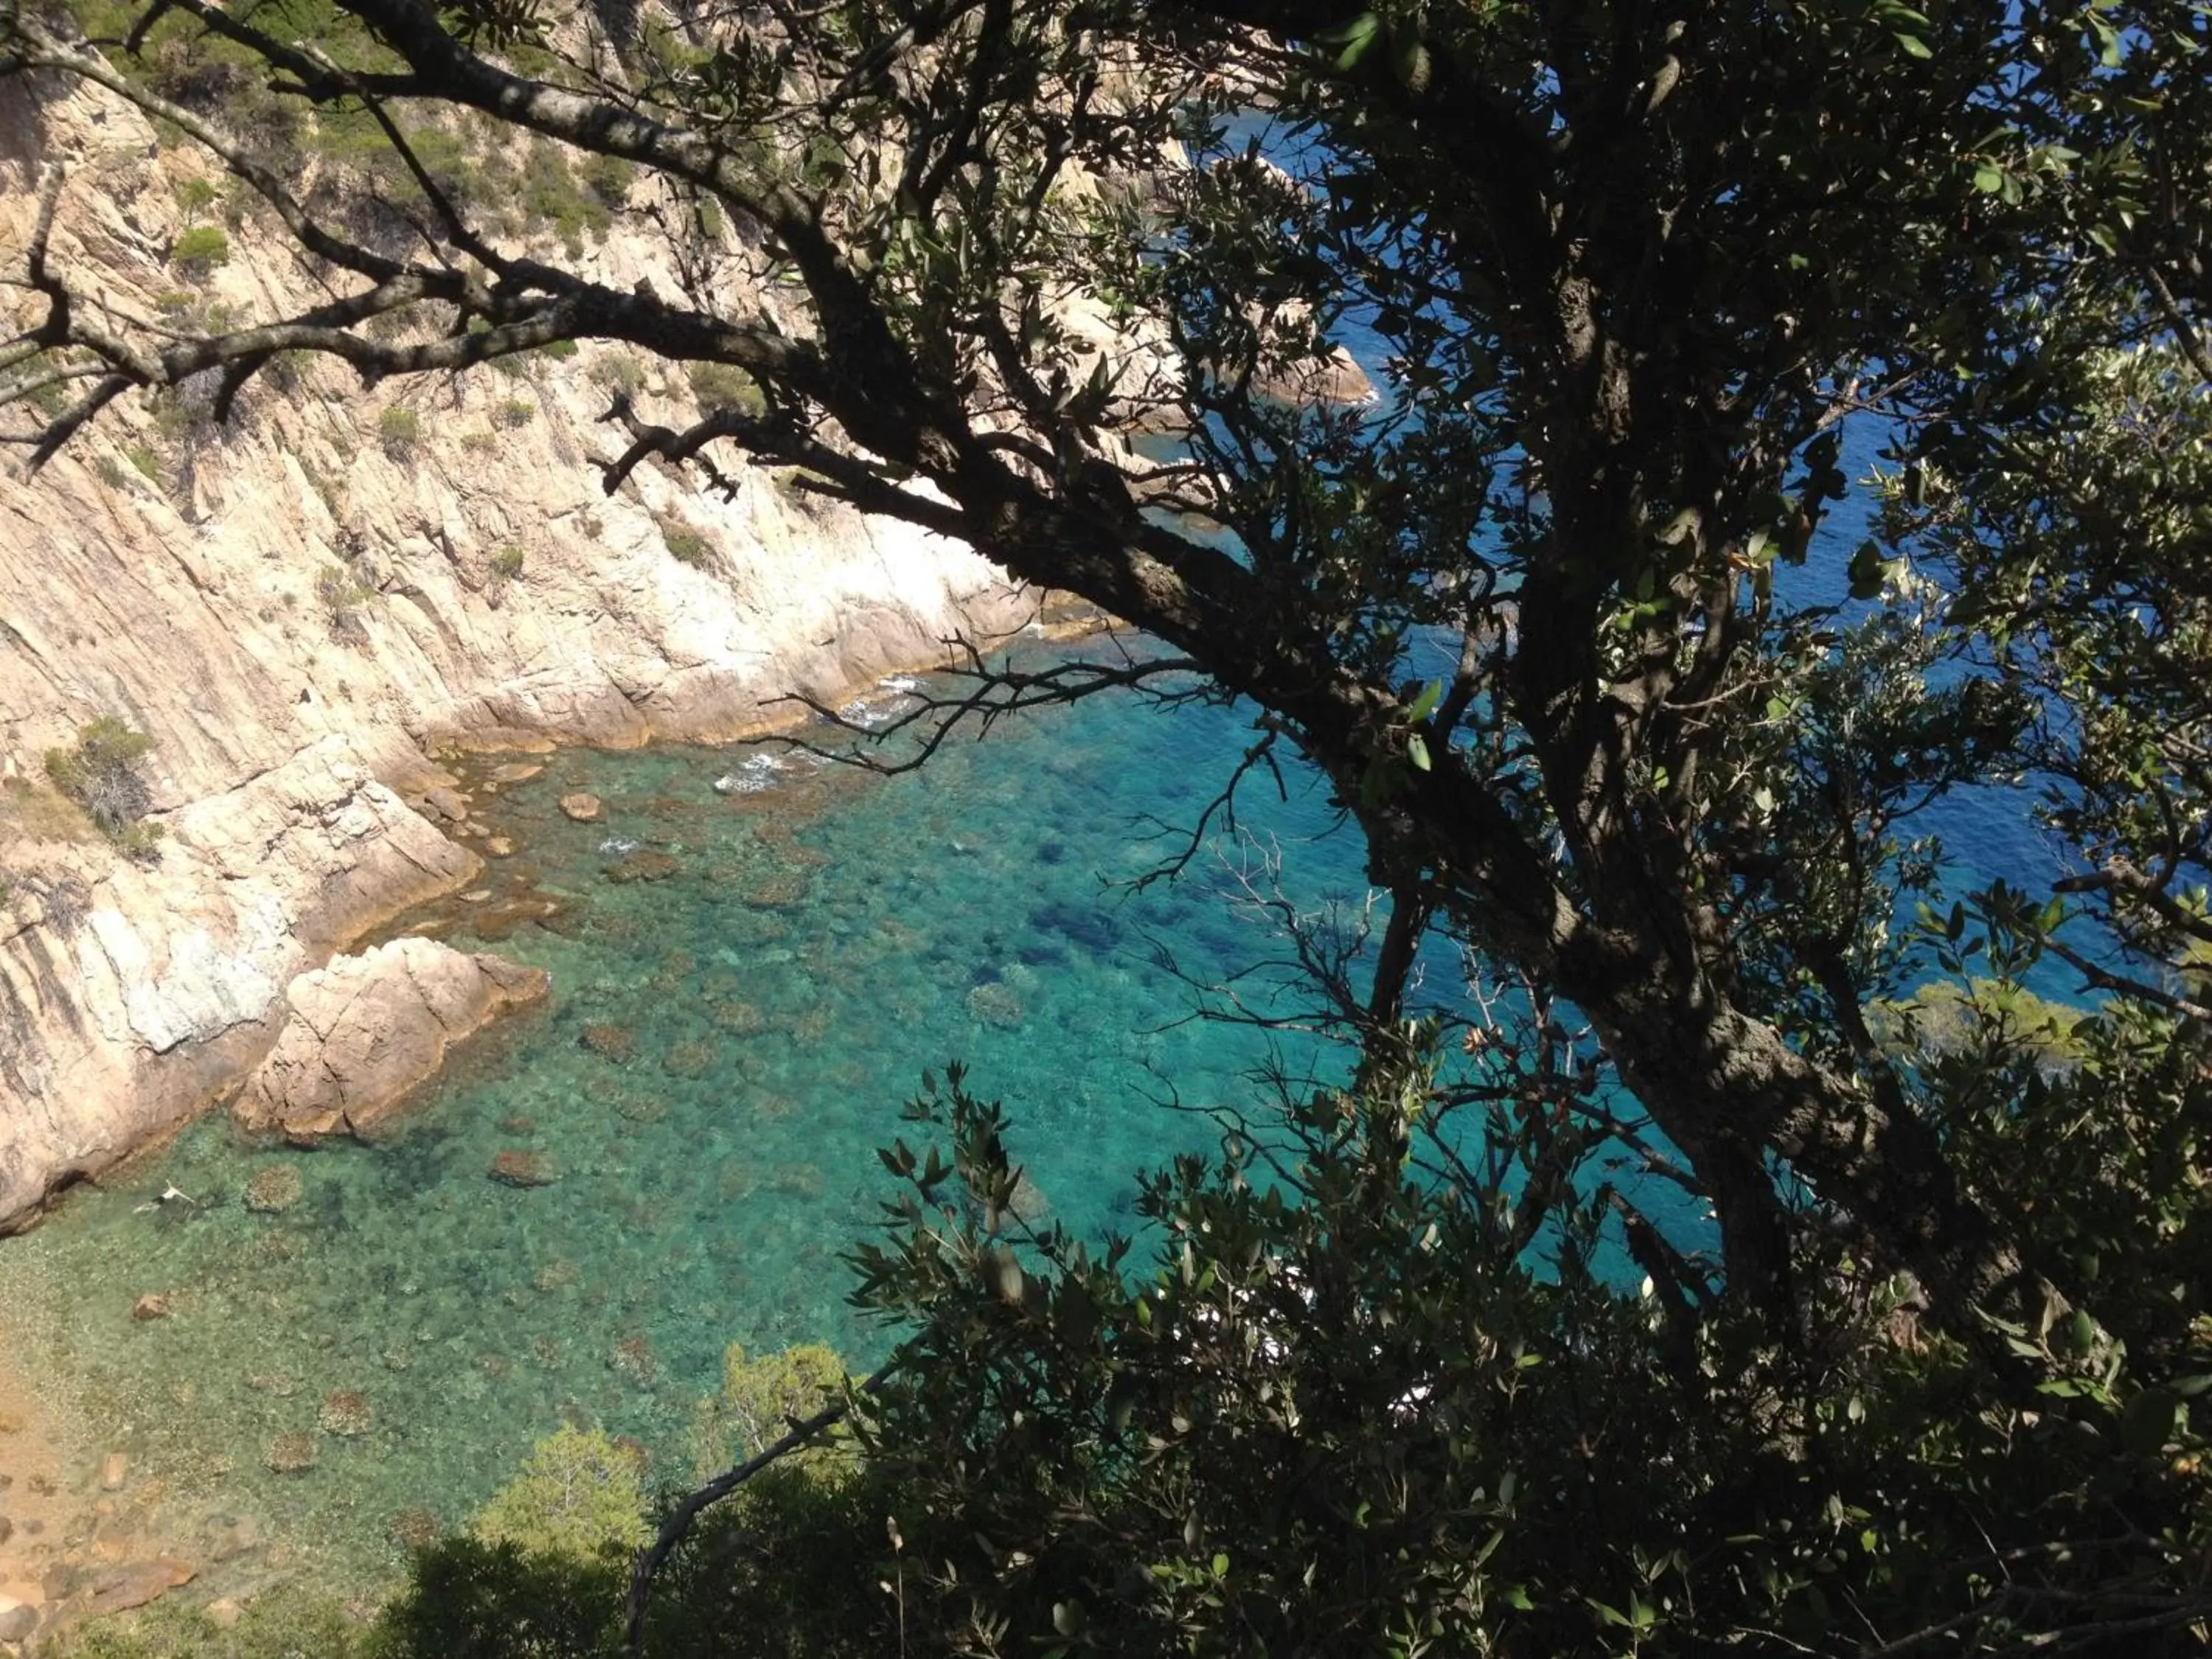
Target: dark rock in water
<point>275,1188</point>
<point>609,1040</point>
<point>690,1058</point>
<point>345,1412</point>
<point>631,1358</point>
<point>779,891</point>
<point>150,1307</point>
<point>641,866</point>
<point>291,1454</point>
<point>995,1004</point>
<point>414,1530</point>
<point>133,1585</point>
<point>1093,929</point>
<point>516,1168</point>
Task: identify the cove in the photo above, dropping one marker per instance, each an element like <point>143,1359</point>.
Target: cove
<point>748,982</point>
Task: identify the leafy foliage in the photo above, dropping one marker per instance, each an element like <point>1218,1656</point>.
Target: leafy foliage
<point>578,1495</point>
<point>102,773</point>
<point>1538,617</point>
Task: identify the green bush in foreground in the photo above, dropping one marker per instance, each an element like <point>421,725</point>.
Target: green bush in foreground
<point>578,1495</point>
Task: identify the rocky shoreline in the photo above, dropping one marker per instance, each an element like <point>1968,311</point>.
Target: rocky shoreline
<point>300,609</point>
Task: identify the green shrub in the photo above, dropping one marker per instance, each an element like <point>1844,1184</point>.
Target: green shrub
<point>200,250</point>
<point>399,429</point>
<point>559,350</point>
<point>100,773</point>
<point>507,562</point>
<point>580,1496</point>
<point>686,545</point>
<point>145,459</point>
<point>760,1399</point>
<point>515,411</point>
<point>196,196</point>
<point>343,595</point>
<point>723,385</point>
<point>618,371</point>
<point>109,470</point>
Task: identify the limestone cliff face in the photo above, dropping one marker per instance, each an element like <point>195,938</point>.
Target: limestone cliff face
<point>300,608</point>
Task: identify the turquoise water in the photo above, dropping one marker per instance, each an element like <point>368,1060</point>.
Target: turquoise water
<point>747,986</point>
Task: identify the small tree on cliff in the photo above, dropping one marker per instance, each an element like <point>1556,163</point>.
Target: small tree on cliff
<point>1635,268</point>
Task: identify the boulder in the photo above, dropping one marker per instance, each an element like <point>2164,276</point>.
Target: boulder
<point>581,806</point>
<point>523,1169</point>
<point>121,1588</point>
<point>366,1030</point>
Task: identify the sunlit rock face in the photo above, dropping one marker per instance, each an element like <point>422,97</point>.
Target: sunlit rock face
<point>301,613</point>
<point>368,1029</point>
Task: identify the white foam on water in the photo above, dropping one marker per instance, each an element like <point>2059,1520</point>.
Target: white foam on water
<point>752,774</point>
<point>618,846</point>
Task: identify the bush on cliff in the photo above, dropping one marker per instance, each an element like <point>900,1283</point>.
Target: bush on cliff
<point>101,773</point>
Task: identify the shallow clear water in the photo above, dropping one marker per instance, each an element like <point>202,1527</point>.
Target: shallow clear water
<point>747,986</point>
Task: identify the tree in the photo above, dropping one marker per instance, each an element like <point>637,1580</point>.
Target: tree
<point>1633,270</point>
<point>1639,271</point>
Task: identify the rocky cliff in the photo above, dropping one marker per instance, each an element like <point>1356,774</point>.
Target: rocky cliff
<point>303,607</point>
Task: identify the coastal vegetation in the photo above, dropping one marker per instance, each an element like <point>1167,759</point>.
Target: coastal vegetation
<point>1924,1375</point>
<point>103,772</point>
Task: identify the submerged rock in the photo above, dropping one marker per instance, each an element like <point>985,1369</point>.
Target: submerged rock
<point>152,1306</point>
<point>517,1168</point>
<point>690,1059</point>
<point>345,1412</point>
<point>274,1189</point>
<point>641,866</point>
<point>121,1588</point>
<point>291,1454</point>
<point>994,1003</point>
<point>414,1530</point>
<point>609,1041</point>
<point>366,1030</point>
<point>582,806</point>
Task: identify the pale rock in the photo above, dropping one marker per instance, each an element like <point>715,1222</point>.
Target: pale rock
<point>369,1029</point>
<point>582,806</point>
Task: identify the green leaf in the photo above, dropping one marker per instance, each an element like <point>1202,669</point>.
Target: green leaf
<point>1914,46</point>
<point>1357,39</point>
<point>1425,704</point>
<point>2148,1420</point>
<point>1416,751</point>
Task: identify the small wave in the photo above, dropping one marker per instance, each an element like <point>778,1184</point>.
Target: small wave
<point>905,682</point>
<point>873,714</point>
<point>752,774</point>
<point>618,847</point>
